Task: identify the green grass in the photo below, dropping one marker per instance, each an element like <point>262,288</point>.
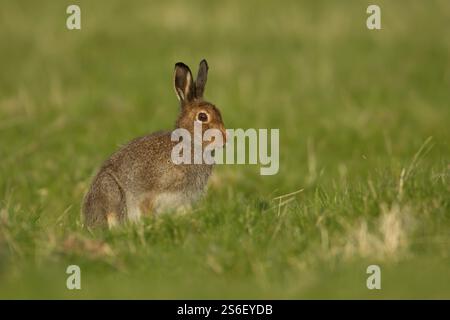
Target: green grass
<point>355,109</point>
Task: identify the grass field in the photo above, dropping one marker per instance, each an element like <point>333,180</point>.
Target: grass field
<point>364,119</point>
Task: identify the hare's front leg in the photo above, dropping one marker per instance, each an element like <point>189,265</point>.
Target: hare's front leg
<point>104,204</point>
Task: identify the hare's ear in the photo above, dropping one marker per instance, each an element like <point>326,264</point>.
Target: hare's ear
<point>183,83</point>
<point>201,79</point>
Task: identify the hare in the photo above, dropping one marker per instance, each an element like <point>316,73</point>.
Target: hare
<point>140,178</point>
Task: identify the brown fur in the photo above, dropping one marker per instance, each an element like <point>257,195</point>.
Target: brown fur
<point>140,178</point>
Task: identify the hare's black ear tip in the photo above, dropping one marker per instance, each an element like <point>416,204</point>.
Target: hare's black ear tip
<point>180,65</point>
<point>204,62</point>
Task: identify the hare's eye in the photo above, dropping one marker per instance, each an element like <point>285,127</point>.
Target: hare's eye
<point>203,117</point>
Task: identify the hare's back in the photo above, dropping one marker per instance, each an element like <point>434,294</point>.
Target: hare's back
<point>143,160</point>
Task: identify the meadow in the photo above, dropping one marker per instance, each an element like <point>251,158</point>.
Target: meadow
<point>364,119</point>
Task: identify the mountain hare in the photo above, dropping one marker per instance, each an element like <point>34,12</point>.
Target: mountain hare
<point>140,178</point>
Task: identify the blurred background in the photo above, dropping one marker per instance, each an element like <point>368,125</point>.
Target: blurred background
<point>364,131</point>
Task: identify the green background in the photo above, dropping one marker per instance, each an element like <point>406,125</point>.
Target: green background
<point>355,109</point>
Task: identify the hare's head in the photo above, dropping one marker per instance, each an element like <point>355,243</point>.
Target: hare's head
<point>193,107</point>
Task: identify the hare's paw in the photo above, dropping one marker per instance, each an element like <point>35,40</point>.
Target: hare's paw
<point>112,219</point>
